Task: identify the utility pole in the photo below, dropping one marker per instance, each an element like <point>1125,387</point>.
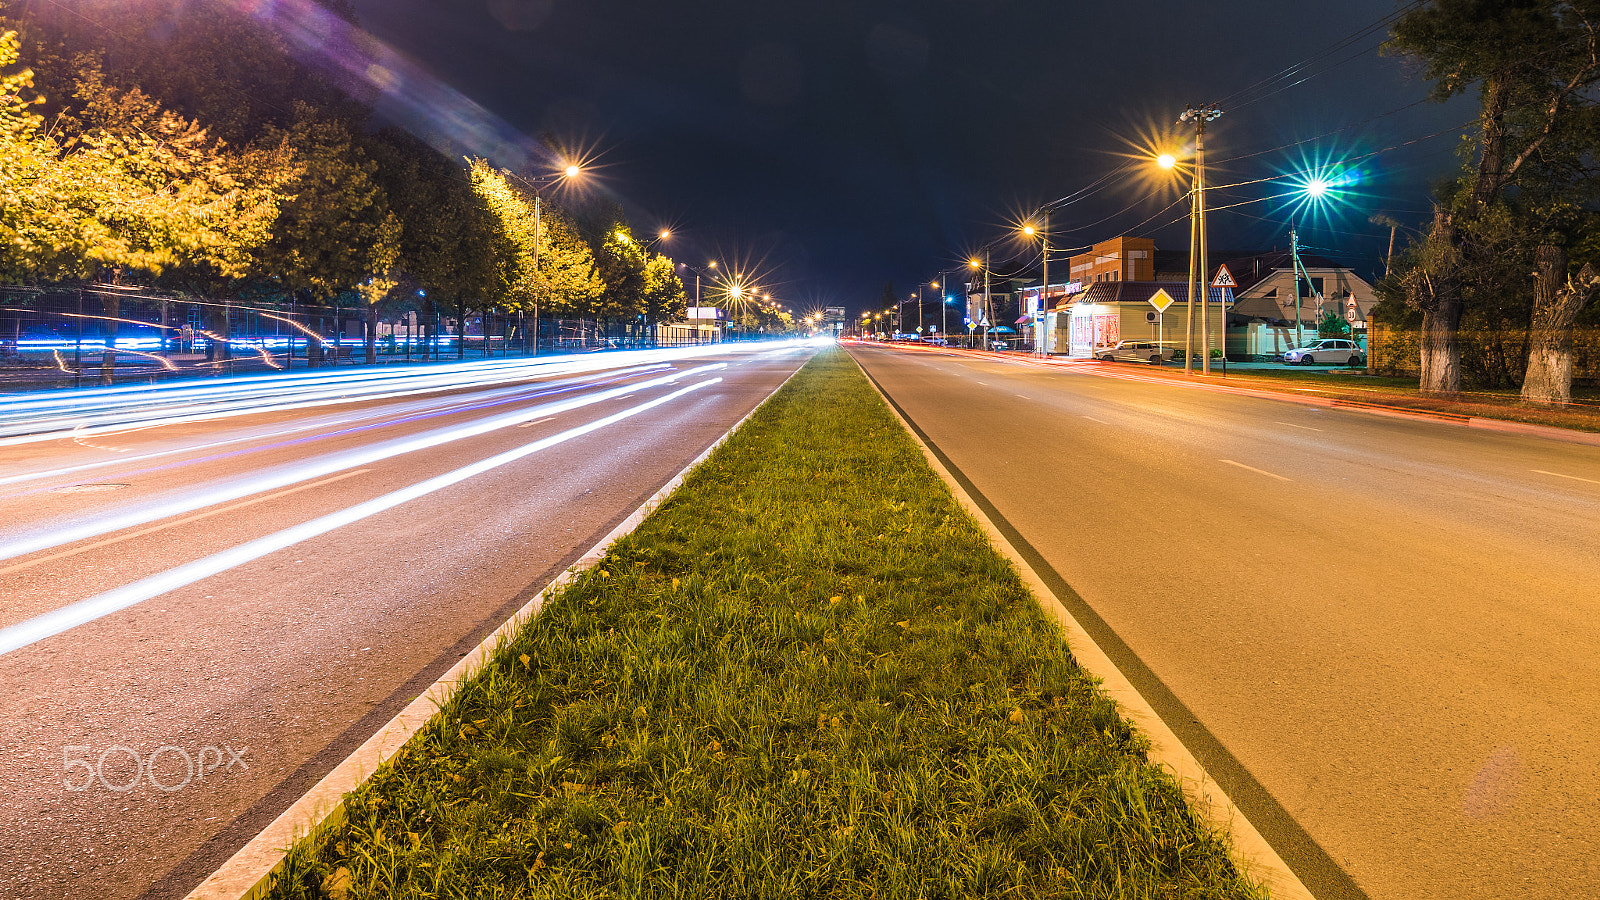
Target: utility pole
<point>1300,272</point>
<point>1044,294</point>
<point>1197,256</point>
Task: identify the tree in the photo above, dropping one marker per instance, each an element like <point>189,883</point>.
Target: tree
<point>1332,325</point>
<point>567,281</point>
<point>335,232</point>
<point>123,186</point>
<point>664,296</point>
<point>1533,63</point>
<point>447,250</point>
<point>1559,297</point>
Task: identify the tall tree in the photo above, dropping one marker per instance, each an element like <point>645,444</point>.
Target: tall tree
<point>1534,64</point>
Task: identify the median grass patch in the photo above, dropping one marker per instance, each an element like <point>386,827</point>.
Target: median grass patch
<point>806,675</point>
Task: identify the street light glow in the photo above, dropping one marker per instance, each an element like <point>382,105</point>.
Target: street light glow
<point>573,171</point>
<point>665,233</point>
<point>1166,160</point>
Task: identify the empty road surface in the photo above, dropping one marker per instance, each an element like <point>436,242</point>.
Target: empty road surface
<point>213,593</point>
<point>1381,635</point>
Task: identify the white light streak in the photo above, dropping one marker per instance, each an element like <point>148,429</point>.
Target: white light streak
<point>57,535</point>
<point>84,611</point>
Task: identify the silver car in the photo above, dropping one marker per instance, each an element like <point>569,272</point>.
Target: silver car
<point>1328,351</point>
<point>1135,351</point>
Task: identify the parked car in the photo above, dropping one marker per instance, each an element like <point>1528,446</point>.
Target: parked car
<point>1328,351</point>
<point>1135,351</point>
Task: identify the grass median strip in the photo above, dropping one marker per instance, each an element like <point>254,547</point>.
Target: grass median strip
<point>806,675</point>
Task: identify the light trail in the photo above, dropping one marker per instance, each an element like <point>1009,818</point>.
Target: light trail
<point>408,412</point>
<point>58,535</point>
<point>38,560</point>
<point>84,611</point>
<point>45,418</point>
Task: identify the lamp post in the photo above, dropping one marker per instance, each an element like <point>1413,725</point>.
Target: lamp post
<point>987,317</point>
<point>1044,290</point>
<point>571,171</point>
<point>1198,273</point>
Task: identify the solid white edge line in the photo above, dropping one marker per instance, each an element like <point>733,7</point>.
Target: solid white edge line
<point>1256,857</point>
<point>248,874</point>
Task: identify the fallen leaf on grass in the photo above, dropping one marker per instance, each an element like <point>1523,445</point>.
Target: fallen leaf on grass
<point>337,885</point>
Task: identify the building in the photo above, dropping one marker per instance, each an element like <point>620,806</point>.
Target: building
<point>1124,289</point>
<point>1119,259</point>
<point>1115,310</point>
<point>1269,316</point>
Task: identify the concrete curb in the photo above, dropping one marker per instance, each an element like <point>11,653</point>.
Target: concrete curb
<point>1254,855</point>
<point>249,873</point>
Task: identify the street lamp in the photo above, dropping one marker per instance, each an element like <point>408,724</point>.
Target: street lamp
<point>571,171</point>
<point>974,263</point>
<point>1043,230</point>
<point>1198,273</point>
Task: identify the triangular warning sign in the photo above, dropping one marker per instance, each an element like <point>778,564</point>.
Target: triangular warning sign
<point>1224,278</point>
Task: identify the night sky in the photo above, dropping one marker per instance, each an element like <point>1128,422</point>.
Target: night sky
<point>838,146</point>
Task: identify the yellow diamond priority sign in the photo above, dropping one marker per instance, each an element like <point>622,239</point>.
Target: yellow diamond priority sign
<point>1161,300</point>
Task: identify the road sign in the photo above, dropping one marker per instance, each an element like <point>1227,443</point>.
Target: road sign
<point>1224,278</point>
<point>1161,300</point>
<point>1351,311</point>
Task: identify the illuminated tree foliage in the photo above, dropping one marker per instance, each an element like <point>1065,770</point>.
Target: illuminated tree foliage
<point>200,159</point>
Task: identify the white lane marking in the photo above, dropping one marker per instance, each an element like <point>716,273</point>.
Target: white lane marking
<point>56,536</point>
<point>84,611</point>
<point>1559,475</point>
<point>1253,469</point>
<point>1023,396</point>
<point>536,422</point>
<point>1093,419</point>
<point>393,414</point>
<point>984,383</point>
<point>175,522</point>
<point>1293,425</point>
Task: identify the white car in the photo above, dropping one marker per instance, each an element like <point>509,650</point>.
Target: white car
<point>1328,351</point>
<point>1135,351</point>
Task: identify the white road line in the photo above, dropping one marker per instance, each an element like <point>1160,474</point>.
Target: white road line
<point>536,422</point>
<point>1093,419</point>
<point>57,535</point>
<point>1253,469</point>
<point>1293,425</point>
<point>984,383</point>
<point>84,611</point>
<point>183,521</point>
<point>1559,475</point>
<point>1023,396</point>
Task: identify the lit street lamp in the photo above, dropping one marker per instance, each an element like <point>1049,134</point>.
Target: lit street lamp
<point>571,171</point>
<point>1199,275</point>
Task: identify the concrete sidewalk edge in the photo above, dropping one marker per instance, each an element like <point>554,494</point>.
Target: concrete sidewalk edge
<point>249,873</point>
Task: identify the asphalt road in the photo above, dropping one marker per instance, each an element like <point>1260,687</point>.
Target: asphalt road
<point>1381,635</point>
<point>210,600</point>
